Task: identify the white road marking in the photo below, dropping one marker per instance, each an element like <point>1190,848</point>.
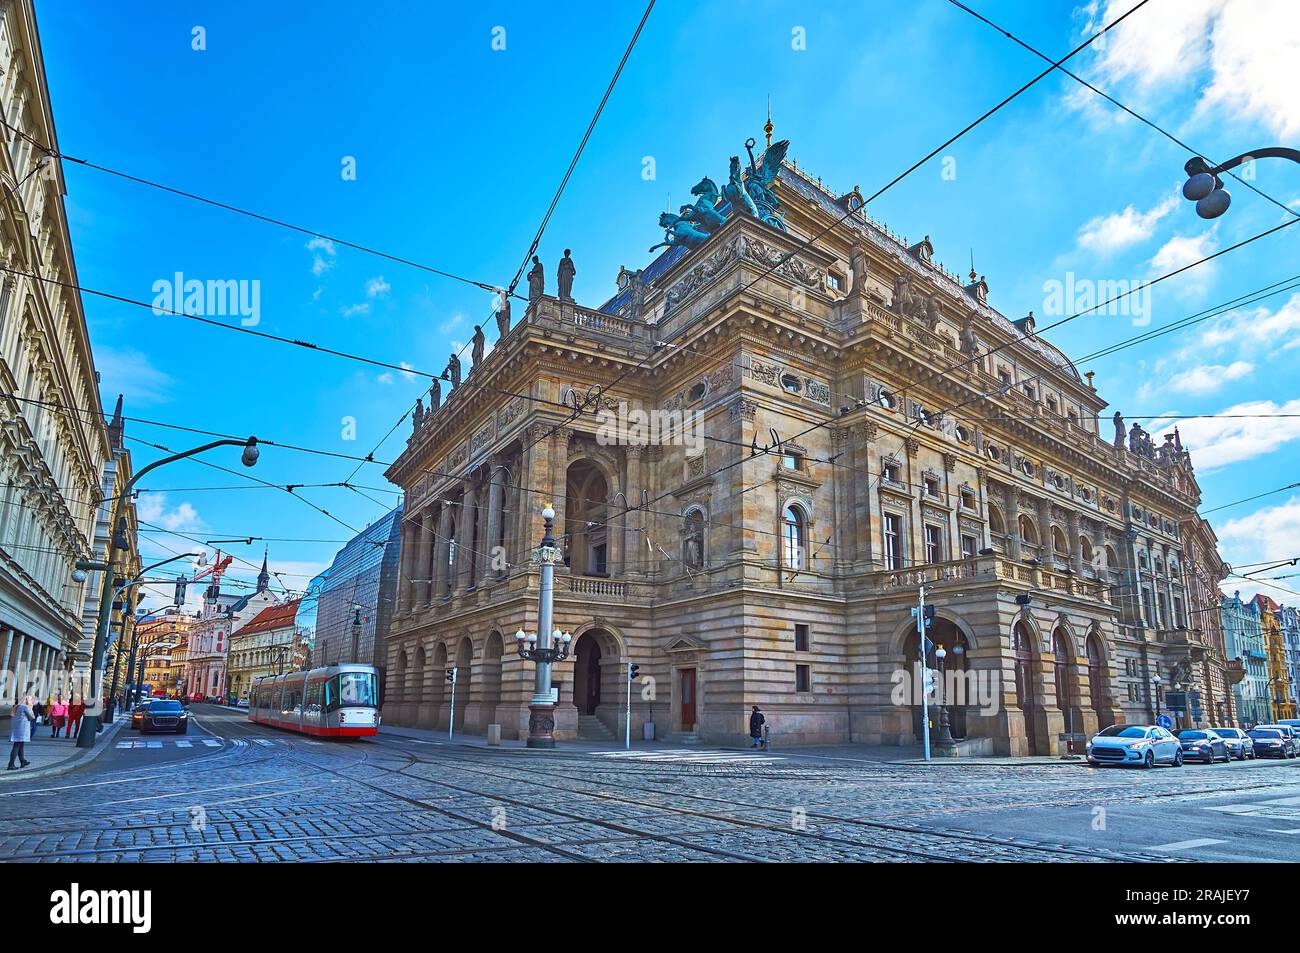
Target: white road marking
<point>212,742</point>
<point>184,744</point>
<point>1188,844</point>
<point>1294,830</point>
<point>691,757</point>
<point>263,741</point>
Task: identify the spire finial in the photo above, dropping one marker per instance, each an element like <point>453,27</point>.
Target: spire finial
<point>972,266</point>
<point>768,127</point>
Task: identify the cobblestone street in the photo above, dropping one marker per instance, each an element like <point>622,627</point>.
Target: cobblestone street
<point>239,792</point>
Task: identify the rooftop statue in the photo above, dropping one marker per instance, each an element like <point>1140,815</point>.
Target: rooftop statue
<point>747,190</point>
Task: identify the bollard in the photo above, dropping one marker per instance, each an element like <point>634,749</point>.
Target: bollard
<point>494,734</point>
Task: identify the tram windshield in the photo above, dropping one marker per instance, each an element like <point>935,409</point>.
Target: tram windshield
<point>351,689</point>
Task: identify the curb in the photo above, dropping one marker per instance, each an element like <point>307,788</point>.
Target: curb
<point>84,756</point>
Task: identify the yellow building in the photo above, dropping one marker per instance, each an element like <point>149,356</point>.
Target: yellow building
<point>1279,679</point>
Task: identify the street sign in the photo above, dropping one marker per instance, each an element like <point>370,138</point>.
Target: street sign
<point>1164,721</point>
<point>1072,736</point>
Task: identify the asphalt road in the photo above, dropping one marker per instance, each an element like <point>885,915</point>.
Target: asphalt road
<point>232,791</point>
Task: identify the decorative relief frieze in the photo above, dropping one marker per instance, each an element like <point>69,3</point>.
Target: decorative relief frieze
<point>743,409</point>
<point>764,373</point>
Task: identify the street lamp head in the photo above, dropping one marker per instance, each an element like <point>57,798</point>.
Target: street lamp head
<point>1198,186</point>
<point>532,638</point>
<point>1214,204</point>
<point>251,453</point>
<point>548,512</point>
<point>940,654</point>
<point>78,575</point>
<point>521,636</point>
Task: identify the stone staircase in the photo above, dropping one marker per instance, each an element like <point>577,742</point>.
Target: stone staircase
<point>682,738</point>
<point>591,728</point>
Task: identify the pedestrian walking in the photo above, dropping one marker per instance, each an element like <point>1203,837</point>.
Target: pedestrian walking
<point>58,715</point>
<point>20,730</point>
<point>756,721</point>
<point>76,711</point>
<point>38,713</point>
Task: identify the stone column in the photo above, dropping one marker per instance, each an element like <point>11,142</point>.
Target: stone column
<point>465,541</point>
<point>1013,523</point>
<point>404,566</point>
<point>1046,547</point>
<point>633,546</point>
<point>442,583</point>
<point>1076,543</point>
<point>492,535</point>
<point>559,480</point>
<point>423,562</point>
<point>535,475</point>
<point>843,484</point>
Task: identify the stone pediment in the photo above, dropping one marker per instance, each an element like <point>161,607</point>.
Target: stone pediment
<point>685,643</point>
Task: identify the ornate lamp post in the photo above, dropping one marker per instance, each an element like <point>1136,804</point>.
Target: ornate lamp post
<point>537,647</point>
<point>945,729</point>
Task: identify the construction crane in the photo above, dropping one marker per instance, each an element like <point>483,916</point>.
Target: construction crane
<point>216,571</point>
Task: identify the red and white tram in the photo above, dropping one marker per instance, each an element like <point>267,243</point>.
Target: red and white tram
<point>338,701</point>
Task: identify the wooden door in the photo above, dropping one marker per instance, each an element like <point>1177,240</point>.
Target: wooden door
<point>686,682</point>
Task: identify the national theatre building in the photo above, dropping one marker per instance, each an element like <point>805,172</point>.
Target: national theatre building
<point>760,450</point>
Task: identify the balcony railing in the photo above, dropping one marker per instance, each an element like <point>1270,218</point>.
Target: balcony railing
<point>993,569</point>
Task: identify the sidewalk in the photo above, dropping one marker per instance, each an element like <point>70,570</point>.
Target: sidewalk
<point>866,754</point>
<point>53,756</point>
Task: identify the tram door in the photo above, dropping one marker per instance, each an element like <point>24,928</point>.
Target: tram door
<point>686,681</point>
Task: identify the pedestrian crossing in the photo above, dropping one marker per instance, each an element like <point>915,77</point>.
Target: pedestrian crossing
<point>687,756</point>
<point>214,742</point>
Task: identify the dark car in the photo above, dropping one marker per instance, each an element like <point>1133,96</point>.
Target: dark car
<point>1270,743</point>
<point>165,715</point>
<point>1201,744</point>
<point>1290,733</point>
<point>137,713</point>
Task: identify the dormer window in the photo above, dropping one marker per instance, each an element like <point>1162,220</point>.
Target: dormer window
<point>1051,405</point>
<point>1004,376</point>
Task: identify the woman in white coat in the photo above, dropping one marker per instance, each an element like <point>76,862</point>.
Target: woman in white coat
<point>20,731</point>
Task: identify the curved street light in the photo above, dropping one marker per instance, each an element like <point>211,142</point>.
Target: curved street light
<point>1205,188</point>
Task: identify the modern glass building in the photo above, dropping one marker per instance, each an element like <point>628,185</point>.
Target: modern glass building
<point>360,583</point>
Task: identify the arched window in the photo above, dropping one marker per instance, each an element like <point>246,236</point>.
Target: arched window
<point>1096,669</point>
<point>1112,561</point>
<point>1028,531</point>
<point>794,532</point>
<point>1022,650</point>
<point>1058,541</point>
<point>1085,550</point>
<point>1061,649</point>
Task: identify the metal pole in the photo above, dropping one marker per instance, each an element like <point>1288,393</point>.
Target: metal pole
<point>451,721</point>
<point>925,700</point>
<point>541,721</point>
<point>627,728</point>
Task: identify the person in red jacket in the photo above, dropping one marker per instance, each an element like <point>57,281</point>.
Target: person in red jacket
<point>76,711</point>
<point>58,716</point>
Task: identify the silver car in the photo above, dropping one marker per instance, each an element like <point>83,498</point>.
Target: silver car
<point>1240,745</point>
<point>1142,745</point>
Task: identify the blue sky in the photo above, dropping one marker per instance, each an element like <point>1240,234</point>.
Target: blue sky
<point>459,147</point>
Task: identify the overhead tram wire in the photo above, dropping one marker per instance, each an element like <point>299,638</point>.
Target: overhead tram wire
<point>1111,99</point>
<point>356,246</point>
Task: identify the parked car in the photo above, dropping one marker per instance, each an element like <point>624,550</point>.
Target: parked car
<point>1240,745</point>
<point>1142,745</point>
<point>1202,744</point>
<point>165,716</point>
<point>137,713</point>
<point>1269,743</point>
<point>1291,735</point>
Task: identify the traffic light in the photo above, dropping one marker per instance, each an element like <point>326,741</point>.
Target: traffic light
<point>632,669</point>
<point>451,675</point>
<point>929,615</point>
<point>179,598</point>
<point>927,681</point>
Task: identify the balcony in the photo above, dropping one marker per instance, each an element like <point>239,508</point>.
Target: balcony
<point>994,569</point>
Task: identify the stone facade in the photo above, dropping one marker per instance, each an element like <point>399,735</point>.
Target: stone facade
<point>857,440</point>
<point>267,644</point>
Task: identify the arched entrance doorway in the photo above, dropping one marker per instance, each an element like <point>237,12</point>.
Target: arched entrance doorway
<point>1097,680</point>
<point>1022,652</point>
<point>464,668</point>
<point>492,653</point>
<point>953,688</point>
<point>586,674</point>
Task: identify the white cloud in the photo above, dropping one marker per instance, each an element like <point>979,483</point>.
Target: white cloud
<point>1256,47</point>
<point>1234,60</point>
<point>1268,534</point>
<point>323,255</point>
<point>153,508</point>
<point>1110,233</point>
<point>407,371</point>
<point>385,378</point>
<point>1208,378</point>
<point>1278,330</point>
<point>1240,432</point>
<point>377,287</point>
<point>130,373</point>
<point>1179,252</point>
<point>362,308</point>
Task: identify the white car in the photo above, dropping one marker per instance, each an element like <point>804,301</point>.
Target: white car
<point>1141,745</point>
